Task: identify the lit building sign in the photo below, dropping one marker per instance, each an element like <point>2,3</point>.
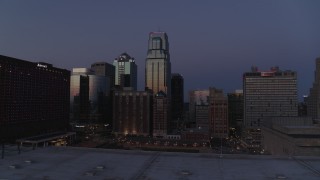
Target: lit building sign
<point>267,73</point>
<point>41,65</point>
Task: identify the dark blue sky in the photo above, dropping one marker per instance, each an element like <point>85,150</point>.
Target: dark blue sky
<point>211,42</point>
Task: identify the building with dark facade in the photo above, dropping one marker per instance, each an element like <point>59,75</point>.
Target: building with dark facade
<point>132,112</point>
<point>125,71</point>
<point>34,98</point>
<point>235,112</point>
<point>313,108</point>
<point>158,65</point>
<point>218,114</point>
<point>161,114</point>
<point>88,97</point>
<point>177,103</point>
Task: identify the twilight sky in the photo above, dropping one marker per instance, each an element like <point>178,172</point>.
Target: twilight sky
<point>211,42</point>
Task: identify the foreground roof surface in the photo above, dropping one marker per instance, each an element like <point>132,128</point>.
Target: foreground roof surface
<point>85,163</point>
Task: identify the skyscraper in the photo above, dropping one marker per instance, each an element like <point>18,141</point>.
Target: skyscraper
<point>125,71</point>
<point>158,66</point>
<point>177,95</point>
<point>34,98</point>
<point>269,94</point>
<point>313,101</point>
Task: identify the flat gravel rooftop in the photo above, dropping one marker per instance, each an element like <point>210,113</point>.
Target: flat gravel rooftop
<point>87,163</point>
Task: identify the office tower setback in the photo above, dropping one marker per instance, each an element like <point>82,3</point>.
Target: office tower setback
<point>218,114</point>
<point>177,103</point>
<point>199,108</point>
<point>313,102</point>
<point>235,112</point>
<point>132,112</point>
<point>105,69</point>
<point>88,96</point>
<point>125,71</point>
<point>269,94</point>
<point>158,66</point>
<point>34,98</point>
<point>161,114</point>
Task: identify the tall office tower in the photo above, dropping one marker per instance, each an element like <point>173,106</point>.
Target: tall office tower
<point>235,112</point>
<point>132,112</point>
<point>34,98</point>
<point>105,69</point>
<point>88,96</point>
<point>177,103</point>
<point>125,71</point>
<point>161,114</point>
<point>218,114</point>
<point>158,66</point>
<point>269,94</point>
<point>313,102</point>
<point>199,108</point>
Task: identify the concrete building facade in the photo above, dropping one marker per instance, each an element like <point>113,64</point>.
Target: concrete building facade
<point>267,94</point>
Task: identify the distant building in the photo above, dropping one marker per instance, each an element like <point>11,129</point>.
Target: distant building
<point>218,114</point>
<point>303,106</point>
<point>177,95</point>
<point>199,108</point>
<point>269,94</point>
<point>161,114</point>
<point>313,103</point>
<point>235,112</point>
<point>105,69</point>
<point>158,65</point>
<point>34,98</point>
<point>132,112</point>
<point>125,71</point>
<point>88,96</point>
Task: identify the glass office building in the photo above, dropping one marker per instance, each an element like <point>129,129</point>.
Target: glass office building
<point>88,96</point>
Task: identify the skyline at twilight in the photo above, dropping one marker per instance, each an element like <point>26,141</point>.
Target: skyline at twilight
<point>208,39</point>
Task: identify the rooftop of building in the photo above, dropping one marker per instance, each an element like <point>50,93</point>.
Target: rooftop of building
<point>87,163</point>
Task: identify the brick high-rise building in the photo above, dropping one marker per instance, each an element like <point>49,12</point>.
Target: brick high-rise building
<point>132,112</point>
<point>161,114</point>
<point>218,114</point>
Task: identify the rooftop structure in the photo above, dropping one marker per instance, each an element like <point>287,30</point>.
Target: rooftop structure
<point>86,163</point>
